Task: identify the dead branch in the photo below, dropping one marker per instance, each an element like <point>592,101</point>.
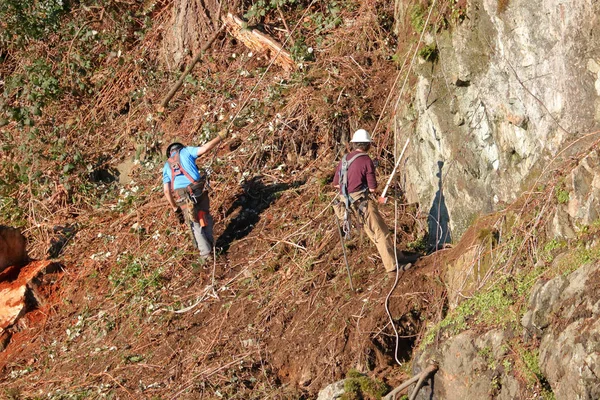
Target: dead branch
<point>189,68</point>
<point>258,42</point>
<point>419,378</point>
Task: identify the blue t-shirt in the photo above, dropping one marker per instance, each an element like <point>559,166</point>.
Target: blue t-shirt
<point>187,160</point>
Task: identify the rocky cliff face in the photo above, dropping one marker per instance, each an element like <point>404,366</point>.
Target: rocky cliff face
<point>513,84</point>
<point>562,318</point>
<point>564,315</point>
<point>514,94</point>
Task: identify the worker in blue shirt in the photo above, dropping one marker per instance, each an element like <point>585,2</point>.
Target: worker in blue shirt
<point>184,189</point>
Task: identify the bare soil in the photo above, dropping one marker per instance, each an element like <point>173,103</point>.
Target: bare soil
<point>270,324</point>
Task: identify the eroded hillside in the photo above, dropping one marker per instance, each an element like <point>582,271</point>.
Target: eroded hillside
<point>132,313</point>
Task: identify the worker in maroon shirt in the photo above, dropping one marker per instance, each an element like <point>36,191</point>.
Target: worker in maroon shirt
<point>355,178</point>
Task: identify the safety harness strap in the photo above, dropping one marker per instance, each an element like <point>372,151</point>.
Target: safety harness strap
<point>177,169</point>
<point>344,177</point>
<point>348,200</point>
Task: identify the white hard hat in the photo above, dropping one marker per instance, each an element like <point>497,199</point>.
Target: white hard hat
<point>361,136</point>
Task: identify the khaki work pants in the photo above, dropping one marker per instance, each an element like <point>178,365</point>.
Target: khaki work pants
<point>373,225</point>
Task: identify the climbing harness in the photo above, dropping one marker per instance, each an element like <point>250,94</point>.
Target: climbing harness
<point>196,187</point>
<point>193,192</point>
<point>349,201</point>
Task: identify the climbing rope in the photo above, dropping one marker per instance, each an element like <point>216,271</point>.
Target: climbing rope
<point>387,299</point>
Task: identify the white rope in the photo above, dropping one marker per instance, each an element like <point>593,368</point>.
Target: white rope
<point>387,299</point>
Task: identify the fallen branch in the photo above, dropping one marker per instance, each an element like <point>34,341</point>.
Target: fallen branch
<point>419,378</point>
<point>189,68</point>
<point>258,42</point>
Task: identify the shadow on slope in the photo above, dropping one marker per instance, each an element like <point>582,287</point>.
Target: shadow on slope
<point>255,198</point>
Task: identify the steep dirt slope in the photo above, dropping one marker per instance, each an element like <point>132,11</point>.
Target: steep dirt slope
<point>133,314</point>
<point>276,318</point>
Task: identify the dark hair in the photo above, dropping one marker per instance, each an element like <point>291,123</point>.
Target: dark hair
<point>173,147</point>
<point>364,146</point>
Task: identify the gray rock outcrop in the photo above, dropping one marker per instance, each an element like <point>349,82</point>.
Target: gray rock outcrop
<point>470,367</point>
<point>333,391</point>
<point>510,89</point>
<point>582,185</point>
<point>565,314</point>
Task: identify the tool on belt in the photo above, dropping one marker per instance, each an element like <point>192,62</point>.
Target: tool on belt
<point>192,193</point>
<point>350,203</point>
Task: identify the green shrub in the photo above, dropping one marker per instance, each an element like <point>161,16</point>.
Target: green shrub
<point>417,18</point>
<point>21,21</point>
<point>562,195</point>
<point>359,386</point>
<point>429,53</point>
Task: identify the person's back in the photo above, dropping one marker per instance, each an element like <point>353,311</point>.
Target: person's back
<point>184,187</point>
<point>356,181</point>
<point>187,158</point>
<point>361,172</point>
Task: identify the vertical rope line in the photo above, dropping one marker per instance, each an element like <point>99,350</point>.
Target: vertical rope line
<point>387,299</point>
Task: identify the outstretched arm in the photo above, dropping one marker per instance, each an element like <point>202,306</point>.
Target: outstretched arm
<point>210,145</point>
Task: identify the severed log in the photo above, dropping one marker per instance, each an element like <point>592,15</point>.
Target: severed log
<point>419,378</point>
<point>258,42</point>
<point>197,58</point>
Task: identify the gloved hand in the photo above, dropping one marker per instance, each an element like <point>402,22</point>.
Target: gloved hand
<point>222,133</point>
<point>179,215</point>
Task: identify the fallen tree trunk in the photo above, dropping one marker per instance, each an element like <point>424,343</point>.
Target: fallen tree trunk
<point>419,378</point>
<point>258,42</point>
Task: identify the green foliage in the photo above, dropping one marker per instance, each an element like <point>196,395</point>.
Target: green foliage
<point>133,358</point>
<point>533,373</point>
<point>29,92</point>
<point>578,254</point>
<point>457,11</point>
<point>531,360</point>
<point>329,19</point>
<point>135,276</point>
<point>419,245</point>
<point>417,17</point>
<point>300,51</point>
<point>21,21</point>
<point>260,8</point>
<point>562,195</point>
<point>429,53</point>
<point>497,306</point>
<point>550,248</point>
<point>358,386</point>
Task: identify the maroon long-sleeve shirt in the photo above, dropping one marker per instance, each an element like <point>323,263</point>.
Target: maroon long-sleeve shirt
<point>361,173</point>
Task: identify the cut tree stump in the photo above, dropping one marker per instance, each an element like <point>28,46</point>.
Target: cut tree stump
<point>19,293</point>
<point>258,42</point>
<point>254,40</point>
